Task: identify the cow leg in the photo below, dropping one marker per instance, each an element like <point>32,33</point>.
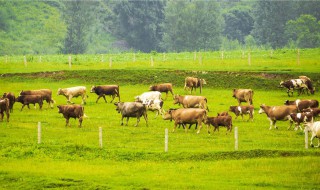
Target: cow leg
<point>318,143</point>
<point>311,144</point>
<point>98,98</point>
<point>69,99</point>
<point>40,105</point>
<point>80,121</point>
<point>105,100</point>
<point>199,127</point>
<point>122,120</point>
<point>67,122</point>
<point>271,124</point>
<point>2,115</point>
<point>145,116</point>
<point>113,97</point>
<point>127,121</point>
<point>138,120</point>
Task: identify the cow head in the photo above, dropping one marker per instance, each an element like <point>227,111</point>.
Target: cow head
<point>233,108</point>
<point>176,99</point>
<point>262,108</point>
<point>60,109</point>
<point>203,81</point>
<point>119,106</point>
<point>93,88</point>
<point>151,88</point>
<point>234,92</point>
<point>59,91</point>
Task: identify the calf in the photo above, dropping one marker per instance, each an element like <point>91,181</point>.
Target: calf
<point>303,104</point>
<point>72,111</point>
<point>132,109</point>
<point>315,129</point>
<point>45,93</point>
<point>299,118</point>
<point>30,99</point>
<point>12,99</point>
<point>71,92</point>
<point>194,83</point>
<point>225,121</point>
<point>243,95</point>
<point>4,107</point>
<point>242,110</point>
<point>102,90</point>
<point>186,116</point>
<point>155,105</point>
<point>278,113</point>
<point>165,87</point>
<point>190,101</point>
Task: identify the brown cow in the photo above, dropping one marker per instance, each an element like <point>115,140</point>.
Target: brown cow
<point>5,107</point>
<point>165,87</point>
<point>315,111</point>
<point>191,101</point>
<point>12,99</point>
<point>243,95</point>
<point>30,99</point>
<point>299,118</point>
<point>276,113</point>
<point>303,104</point>
<point>102,90</point>
<point>45,93</point>
<point>72,111</point>
<point>186,116</point>
<point>192,82</point>
<point>225,121</point>
<point>243,110</point>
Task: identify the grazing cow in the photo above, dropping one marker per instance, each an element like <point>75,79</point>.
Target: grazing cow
<point>191,101</point>
<point>74,92</point>
<point>243,95</point>
<point>165,87</point>
<point>315,111</point>
<point>192,82</point>
<point>303,104</point>
<point>314,127</point>
<point>148,96</point>
<point>299,118</point>
<point>278,113</point>
<point>243,110</point>
<point>12,99</point>
<point>155,105</point>
<point>45,93</point>
<point>72,111</point>
<point>186,116</point>
<point>5,107</point>
<point>132,109</point>
<point>225,121</point>
<point>102,90</point>
<point>299,84</point>
<point>30,99</point>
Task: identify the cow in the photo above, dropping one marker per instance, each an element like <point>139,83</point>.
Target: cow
<point>243,110</point>
<point>186,116</point>
<point>132,109</point>
<point>191,101</point>
<point>148,96</point>
<point>308,83</point>
<point>30,99</point>
<point>243,95</point>
<point>194,83</point>
<point>278,113</point>
<point>155,105</point>
<point>299,84</point>
<point>299,118</point>
<point>314,127</point>
<point>45,93</point>
<point>12,99</point>
<point>102,90</point>
<point>315,111</point>
<point>165,87</point>
<point>71,92</point>
<point>303,104</point>
<point>72,111</point>
<point>5,107</point>
<point>225,121</point>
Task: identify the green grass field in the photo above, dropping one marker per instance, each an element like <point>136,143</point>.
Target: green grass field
<point>134,157</point>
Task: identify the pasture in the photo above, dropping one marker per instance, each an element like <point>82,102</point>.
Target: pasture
<point>134,157</point>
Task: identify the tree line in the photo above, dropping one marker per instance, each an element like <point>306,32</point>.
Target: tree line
<point>106,26</point>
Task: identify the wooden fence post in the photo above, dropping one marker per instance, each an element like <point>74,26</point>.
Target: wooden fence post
<point>298,57</point>
<point>166,140</point>
<point>306,142</point>
<point>102,58</point>
<point>194,56</point>
<point>236,138</point>
<point>100,137</point>
<point>151,61</point>
<point>222,56</point>
<point>39,132</point>
<point>69,61</point>
<point>40,59</point>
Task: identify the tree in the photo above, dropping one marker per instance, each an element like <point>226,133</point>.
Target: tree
<point>139,23</point>
<point>305,31</point>
<point>190,26</point>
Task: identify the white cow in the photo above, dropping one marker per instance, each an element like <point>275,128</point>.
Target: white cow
<point>155,105</point>
<point>315,129</point>
<point>74,92</point>
<point>148,96</point>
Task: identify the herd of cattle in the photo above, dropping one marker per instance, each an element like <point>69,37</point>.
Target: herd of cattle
<point>195,108</point>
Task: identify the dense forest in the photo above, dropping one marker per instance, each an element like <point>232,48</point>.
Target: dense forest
<point>106,26</point>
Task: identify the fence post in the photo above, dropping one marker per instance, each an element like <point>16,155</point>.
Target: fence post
<point>39,132</point>
<point>222,57</point>
<point>25,61</point>
<point>151,60</point>
<point>194,56</point>
<point>40,59</point>
<point>236,138</point>
<point>306,137</point>
<point>100,137</point>
<point>70,61</point>
<point>298,57</point>
<point>166,140</point>
<point>102,58</point>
